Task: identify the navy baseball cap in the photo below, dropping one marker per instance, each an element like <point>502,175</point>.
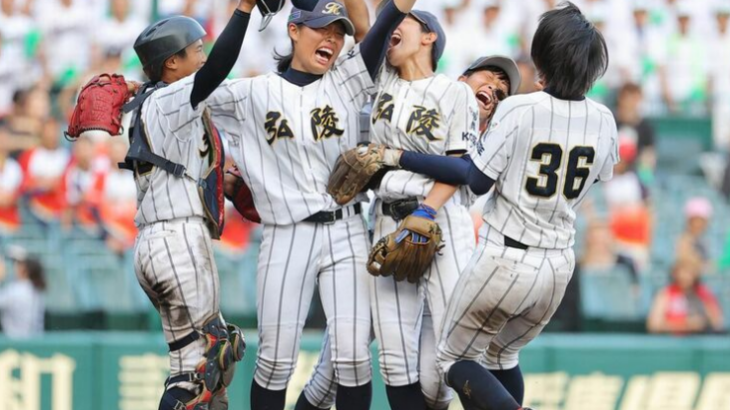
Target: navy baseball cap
<point>431,23</point>
<point>324,13</point>
<point>506,64</point>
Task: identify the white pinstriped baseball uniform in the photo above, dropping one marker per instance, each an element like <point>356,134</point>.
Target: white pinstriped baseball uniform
<point>433,115</point>
<point>286,139</point>
<point>173,255</point>
<point>543,154</point>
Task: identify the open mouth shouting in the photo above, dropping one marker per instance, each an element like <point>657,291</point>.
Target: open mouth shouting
<point>485,99</point>
<point>324,54</point>
<point>395,40</point>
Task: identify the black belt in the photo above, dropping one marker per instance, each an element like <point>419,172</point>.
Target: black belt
<point>327,217</point>
<point>509,242</point>
<point>400,209</point>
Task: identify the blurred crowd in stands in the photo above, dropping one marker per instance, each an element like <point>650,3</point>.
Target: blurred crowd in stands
<point>668,58</point>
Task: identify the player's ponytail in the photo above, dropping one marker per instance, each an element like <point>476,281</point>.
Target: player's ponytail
<point>283,61</point>
<point>569,52</point>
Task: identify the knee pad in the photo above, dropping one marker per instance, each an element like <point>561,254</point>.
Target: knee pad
<point>224,347</point>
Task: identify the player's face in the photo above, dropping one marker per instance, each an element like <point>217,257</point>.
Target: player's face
<point>194,59</point>
<point>317,49</point>
<point>50,135</point>
<point>407,41</point>
<point>489,90</point>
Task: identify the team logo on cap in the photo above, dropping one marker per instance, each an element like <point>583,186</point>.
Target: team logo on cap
<point>332,8</point>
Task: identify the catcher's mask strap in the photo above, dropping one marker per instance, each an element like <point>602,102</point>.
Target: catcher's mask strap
<point>179,344</point>
<point>266,20</point>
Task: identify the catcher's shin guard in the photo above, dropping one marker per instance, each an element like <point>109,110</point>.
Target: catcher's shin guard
<point>225,345</point>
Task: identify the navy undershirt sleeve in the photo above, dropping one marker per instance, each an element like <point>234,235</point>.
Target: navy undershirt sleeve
<point>449,170</point>
<point>222,58</point>
<point>375,44</point>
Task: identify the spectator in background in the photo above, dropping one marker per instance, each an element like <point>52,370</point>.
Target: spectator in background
<point>528,75</point>
<point>11,177</point>
<point>81,192</point>
<point>19,38</point>
<point>22,305</point>
<point>627,200</point>
<point>7,73</point>
<point>644,47</point>
<point>720,63</point>
<point>686,305</point>
<point>43,169</point>
<point>121,28</point>
<point>67,27</point>
<point>698,212</point>
<point>24,124</point>
<point>118,200</point>
<point>600,253</point>
<point>684,77</point>
<point>633,127</point>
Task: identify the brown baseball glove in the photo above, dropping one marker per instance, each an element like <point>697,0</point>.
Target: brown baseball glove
<point>407,252</point>
<point>99,106</point>
<point>353,171</point>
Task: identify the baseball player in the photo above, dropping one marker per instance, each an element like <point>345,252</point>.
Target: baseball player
<point>542,152</point>
<point>491,79</point>
<point>177,160</point>
<point>286,131</point>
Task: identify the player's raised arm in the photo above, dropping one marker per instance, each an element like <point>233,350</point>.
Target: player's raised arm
<point>224,54</point>
<point>360,17</point>
<point>375,44</point>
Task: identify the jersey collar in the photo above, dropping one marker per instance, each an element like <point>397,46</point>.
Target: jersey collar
<point>552,93</point>
<point>299,78</point>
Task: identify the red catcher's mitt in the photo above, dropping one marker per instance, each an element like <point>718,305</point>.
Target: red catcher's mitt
<point>99,106</point>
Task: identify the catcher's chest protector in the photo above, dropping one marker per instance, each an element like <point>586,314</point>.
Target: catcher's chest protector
<point>140,159</point>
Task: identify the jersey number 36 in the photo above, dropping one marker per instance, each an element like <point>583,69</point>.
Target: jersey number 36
<point>550,157</point>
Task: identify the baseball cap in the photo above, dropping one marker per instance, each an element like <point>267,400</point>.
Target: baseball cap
<point>504,63</point>
<point>684,9</point>
<point>16,253</point>
<point>698,207</point>
<point>431,23</point>
<point>324,13</point>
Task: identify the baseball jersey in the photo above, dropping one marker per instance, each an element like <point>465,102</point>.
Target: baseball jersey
<point>543,154</point>
<point>434,115</point>
<point>175,131</point>
<point>286,139</point>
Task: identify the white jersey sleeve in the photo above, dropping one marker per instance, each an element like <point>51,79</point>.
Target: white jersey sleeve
<point>352,76</point>
<point>227,107</point>
<point>491,154</point>
<point>173,109</point>
<point>464,122</point>
<point>606,172</point>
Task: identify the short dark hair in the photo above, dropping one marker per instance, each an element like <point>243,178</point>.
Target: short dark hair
<point>154,72</point>
<point>36,275</point>
<point>569,52</point>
